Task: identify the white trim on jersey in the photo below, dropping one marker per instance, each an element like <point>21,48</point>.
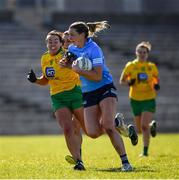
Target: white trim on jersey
<point>97,61</point>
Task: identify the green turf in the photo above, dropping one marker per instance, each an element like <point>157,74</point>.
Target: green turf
<point>43,157</point>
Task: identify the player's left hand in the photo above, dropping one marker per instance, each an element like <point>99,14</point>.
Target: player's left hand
<point>157,87</point>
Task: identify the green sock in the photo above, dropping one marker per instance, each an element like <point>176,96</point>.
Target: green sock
<point>145,151</point>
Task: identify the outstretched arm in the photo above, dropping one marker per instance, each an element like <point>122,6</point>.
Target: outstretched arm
<point>42,80</point>
<point>33,79</point>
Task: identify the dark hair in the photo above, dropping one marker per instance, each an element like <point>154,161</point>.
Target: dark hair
<point>90,28</point>
<point>56,33</point>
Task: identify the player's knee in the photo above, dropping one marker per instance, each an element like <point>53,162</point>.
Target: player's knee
<point>108,126</point>
<point>93,135</point>
<point>109,131</point>
<point>77,130</point>
<point>68,130</point>
<point>144,128</point>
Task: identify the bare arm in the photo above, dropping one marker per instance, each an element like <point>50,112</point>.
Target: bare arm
<point>33,79</point>
<point>123,80</point>
<point>94,75</point>
<point>42,80</point>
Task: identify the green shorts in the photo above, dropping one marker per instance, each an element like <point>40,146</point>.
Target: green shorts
<point>71,99</point>
<point>142,106</point>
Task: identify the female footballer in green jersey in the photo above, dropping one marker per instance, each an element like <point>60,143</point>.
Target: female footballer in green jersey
<point>76,123</point>
<point>65,91</point>
<point>142,77</point>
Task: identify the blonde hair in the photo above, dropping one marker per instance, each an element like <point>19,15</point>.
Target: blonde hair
<point>90,29</point>
<point>65,33</point>
<point>95,27</point>
<point>144,44</point>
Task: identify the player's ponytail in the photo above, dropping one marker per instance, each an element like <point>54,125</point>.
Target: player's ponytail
<point>95,27</point>
<point>90,29</point>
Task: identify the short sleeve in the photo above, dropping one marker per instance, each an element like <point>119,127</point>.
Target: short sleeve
<point>127,69</point>
<point>155,71</point>
<point>42,64</point>
<point>97,56</point>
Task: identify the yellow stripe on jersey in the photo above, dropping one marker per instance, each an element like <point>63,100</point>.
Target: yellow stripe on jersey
<point>146,74</point>
<point>60,78</point>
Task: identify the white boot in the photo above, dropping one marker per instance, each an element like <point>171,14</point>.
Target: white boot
<point>121,127</point>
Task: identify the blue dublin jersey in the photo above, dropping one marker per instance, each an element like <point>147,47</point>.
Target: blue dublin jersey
<point>93,52</point>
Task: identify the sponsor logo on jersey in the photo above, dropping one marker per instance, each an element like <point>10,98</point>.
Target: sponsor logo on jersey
<point>142,76</point>
<point>50,72</point>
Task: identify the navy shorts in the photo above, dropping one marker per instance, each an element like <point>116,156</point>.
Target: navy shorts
<point>94,97</point>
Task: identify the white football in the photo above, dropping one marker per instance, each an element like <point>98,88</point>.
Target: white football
<point>84,63</point>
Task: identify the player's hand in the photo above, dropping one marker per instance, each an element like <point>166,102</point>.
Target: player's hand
<point>75,67</point>
<point>131,82</point>
<point>64,63</point>
<point>157,87</point>
<point>31,76</point>
<point>67,60</point>
<point>70,57</point>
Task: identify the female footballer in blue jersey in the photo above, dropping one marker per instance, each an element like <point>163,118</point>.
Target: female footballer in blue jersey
<point>99,93</point>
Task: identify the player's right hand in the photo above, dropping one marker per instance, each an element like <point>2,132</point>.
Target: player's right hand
<point>64,63</point>
<point>31,76</point>
<point>131,82</point>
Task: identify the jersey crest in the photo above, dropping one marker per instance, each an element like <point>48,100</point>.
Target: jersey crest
<point>50,72</point>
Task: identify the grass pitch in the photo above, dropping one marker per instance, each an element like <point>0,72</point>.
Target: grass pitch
<point>34,157</point>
